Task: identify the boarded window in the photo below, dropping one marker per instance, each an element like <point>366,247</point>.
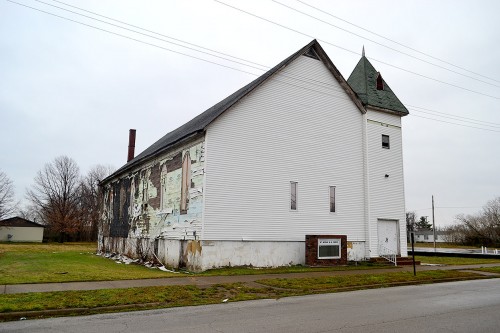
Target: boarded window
<point>163,190</point>
<point>186,182</point>
<point>332,199</point>
<point>385,141</point>
<point>293,195</point>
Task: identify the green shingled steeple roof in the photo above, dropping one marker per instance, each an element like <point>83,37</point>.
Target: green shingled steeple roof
<point>363,80</point>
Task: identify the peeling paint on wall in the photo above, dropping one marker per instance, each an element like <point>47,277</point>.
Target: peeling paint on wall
<point>161,200</point>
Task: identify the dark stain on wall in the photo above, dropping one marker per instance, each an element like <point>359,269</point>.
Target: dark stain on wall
<point>121,202</point>
<point>154,177</point>
<point>175,163</point>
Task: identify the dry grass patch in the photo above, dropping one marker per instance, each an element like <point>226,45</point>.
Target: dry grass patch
<point>455,260</point>
<point>347,281</point>
<point>167,296</point>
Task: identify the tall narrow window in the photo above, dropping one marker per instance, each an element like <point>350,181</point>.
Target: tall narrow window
<point>293,195</point>
<point>385,141</point>
<point>332,199</point>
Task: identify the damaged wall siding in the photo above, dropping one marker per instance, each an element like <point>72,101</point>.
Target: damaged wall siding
<point>162,199</point>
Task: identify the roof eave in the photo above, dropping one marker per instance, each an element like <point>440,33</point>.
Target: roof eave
<point>398,113</point>
<point>340,79</point>
<point>128,167</point>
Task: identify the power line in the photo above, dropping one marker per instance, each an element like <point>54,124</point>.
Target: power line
<point>351,51</point>
<point>157,38</point>
<point>128,37</point>
<point>396,42</point>
<point>295,77</point>
<point>449,122</point>
<point>439,112</point>
<point>177,52</point>
<point>383,45</point>
<point>454,118</point>
<point>222,65</point>
<point>156,33</point>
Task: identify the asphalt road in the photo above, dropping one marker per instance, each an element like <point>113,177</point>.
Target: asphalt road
<point>467,306</point>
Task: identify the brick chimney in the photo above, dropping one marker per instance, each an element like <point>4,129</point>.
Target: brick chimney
<point>131,145</point>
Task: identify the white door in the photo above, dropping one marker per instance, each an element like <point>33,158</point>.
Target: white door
<point>388,239</point>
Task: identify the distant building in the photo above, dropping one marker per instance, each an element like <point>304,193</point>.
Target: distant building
<point>427,236</point>
<point>298,152</point>
<point>17,229</point>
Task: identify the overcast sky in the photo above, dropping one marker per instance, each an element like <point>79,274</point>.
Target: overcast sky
<point>71,89</point>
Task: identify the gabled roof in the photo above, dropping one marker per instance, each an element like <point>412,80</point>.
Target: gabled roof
<point>19,222</point>
<point>363,80</point>
<point>200,122</point>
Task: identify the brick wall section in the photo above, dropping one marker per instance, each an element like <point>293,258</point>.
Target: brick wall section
<point>312,251</point>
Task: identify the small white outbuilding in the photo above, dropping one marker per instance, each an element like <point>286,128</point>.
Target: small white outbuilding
<point>17,229</point>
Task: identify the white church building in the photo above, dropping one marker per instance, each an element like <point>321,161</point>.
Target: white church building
<point>298,152</point>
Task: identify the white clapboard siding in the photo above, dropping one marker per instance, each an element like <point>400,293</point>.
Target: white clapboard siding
<point>386,195</point>
<point>286,130</point>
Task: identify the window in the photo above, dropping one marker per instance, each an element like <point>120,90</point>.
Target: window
<point>186,182</point>
<point>328,248</point>
<point>380,82</point>
<point>293,195</point>
<point>385,141</point>
<point>332,199</point>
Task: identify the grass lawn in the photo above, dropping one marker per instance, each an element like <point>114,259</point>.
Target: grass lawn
<point>53,262</point>
<point>68,262</point>
<point>171,296</point>
<point>455,260</point>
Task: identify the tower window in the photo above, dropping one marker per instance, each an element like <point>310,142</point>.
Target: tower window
<point>380,82</point>
<point>385,141</point>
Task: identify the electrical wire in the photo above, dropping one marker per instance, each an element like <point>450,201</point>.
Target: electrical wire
<point>215,63</point>
<point>449,122</point>
<point>439,112</point>
<point>396,42</point>
<point>383,45</point>
<point>453,118</point>
<point>150,31</point>
<point>296,77</point>
<point>351,51</point>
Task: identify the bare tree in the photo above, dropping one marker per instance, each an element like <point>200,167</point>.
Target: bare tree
<point>56,195</point>
<point>8,205</point>
<point>91,202</point>
<point>32,213</point>
<point>482,228</point>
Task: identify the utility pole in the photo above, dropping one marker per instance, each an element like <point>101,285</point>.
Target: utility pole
<point>433,225</point>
